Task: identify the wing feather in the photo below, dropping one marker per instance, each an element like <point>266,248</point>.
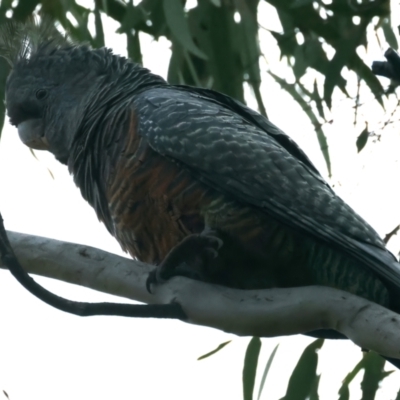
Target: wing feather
<point>240,153</point>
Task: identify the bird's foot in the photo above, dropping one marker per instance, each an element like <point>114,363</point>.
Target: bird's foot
<point>191,258</point>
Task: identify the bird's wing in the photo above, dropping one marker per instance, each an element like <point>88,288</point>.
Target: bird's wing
<point>242,154</point>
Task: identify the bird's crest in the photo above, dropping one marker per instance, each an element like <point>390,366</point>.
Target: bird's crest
<point>18,41</point>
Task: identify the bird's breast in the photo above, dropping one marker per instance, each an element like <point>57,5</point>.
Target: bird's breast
<point>154,204</point>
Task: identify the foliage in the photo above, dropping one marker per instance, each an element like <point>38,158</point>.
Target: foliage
<point>215,43</point>
<point>304,381</point>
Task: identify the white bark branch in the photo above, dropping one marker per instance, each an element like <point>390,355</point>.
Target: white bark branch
<point>264,313</point>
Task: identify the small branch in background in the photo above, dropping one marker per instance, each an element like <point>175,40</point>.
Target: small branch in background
<point>357,101</point>
<point>389,235</point>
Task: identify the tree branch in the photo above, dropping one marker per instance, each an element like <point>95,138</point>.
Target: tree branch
<point>264,313</point>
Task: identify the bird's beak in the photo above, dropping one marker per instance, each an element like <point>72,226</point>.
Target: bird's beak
<point>31,133</point>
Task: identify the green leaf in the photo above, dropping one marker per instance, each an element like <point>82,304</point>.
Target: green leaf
<point>24,9</point>
<point>398,395</point>
<point>314,389</point>
<point>177,23</point>
<point>362,138</point>
<point>217,3</point>
<point>343,54</point>
<point>99,39</point>
<point>219,36</point>
<point>300,63</point>
<point>317,59</point>
<point>133,16</point>
<point>344,392</point>
<point>286,41</point>
<point>81,32</point>
<point>365,73</point>
<point>389,34</point>
<point>250,367</point>
<point>286,19</point>
<point>374,373</point>
<point>301,3</point>
<point>266,370</point>
<point>249,48</point>
<point>221,346</point>
<point>318,101</point>
<point>133,47</point>
<point>305,373</point>
<point>323,143</point>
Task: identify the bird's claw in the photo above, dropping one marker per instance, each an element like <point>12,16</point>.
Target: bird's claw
<point>151,280</point>
<point>189,258</point>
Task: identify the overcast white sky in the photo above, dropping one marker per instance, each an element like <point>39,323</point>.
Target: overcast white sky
<point>46,354</point>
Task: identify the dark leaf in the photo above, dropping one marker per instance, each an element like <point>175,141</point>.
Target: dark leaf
<point>323,143</point>
<point>314,389</point>
<point>133,16</point>
<point>5,5</point>
<point>250,51</point>
<point>176,65</point>
<point>398,395</point>
<point>250,367</point>
<point>266,370</point>
<point>301,3</point>
<point>24,9</point>
<point>158,18</point>
<point>81,32</point>
<point>287,42</point>
<point>362,138</point>
<point>365,73</point>
<point>286,18</point>
<point>305,373</point>
<point>389,34</point>
<point>300,64</point>
<point>343,54</point>
<point>318,101</point>
<point>344,392</point>
<point>177,23</point>
<point>133,47</point>
<point>99,39</point>
<point>374,373</point>
<point>216,350</point>
<point>216,32</point>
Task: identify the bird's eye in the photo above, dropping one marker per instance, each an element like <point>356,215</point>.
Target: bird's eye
<point>41,94</point>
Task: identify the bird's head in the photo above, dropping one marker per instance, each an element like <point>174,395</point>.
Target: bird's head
<point>47,91</point>
<point>55,86</point>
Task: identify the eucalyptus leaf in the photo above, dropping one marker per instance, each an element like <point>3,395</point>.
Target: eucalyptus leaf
<point>99,39</point>
<point>303,378</point>
<point>177,23</point>
<point>362,138</point>
<point>216,350</point>
<point>365,73</point>
<point>341,58</point>
<point>344,392</point>
<point>250,367</point>
<point>323,143</point>
<point>266,370</point>
<point>389,34</point>
<point>374,373</point>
